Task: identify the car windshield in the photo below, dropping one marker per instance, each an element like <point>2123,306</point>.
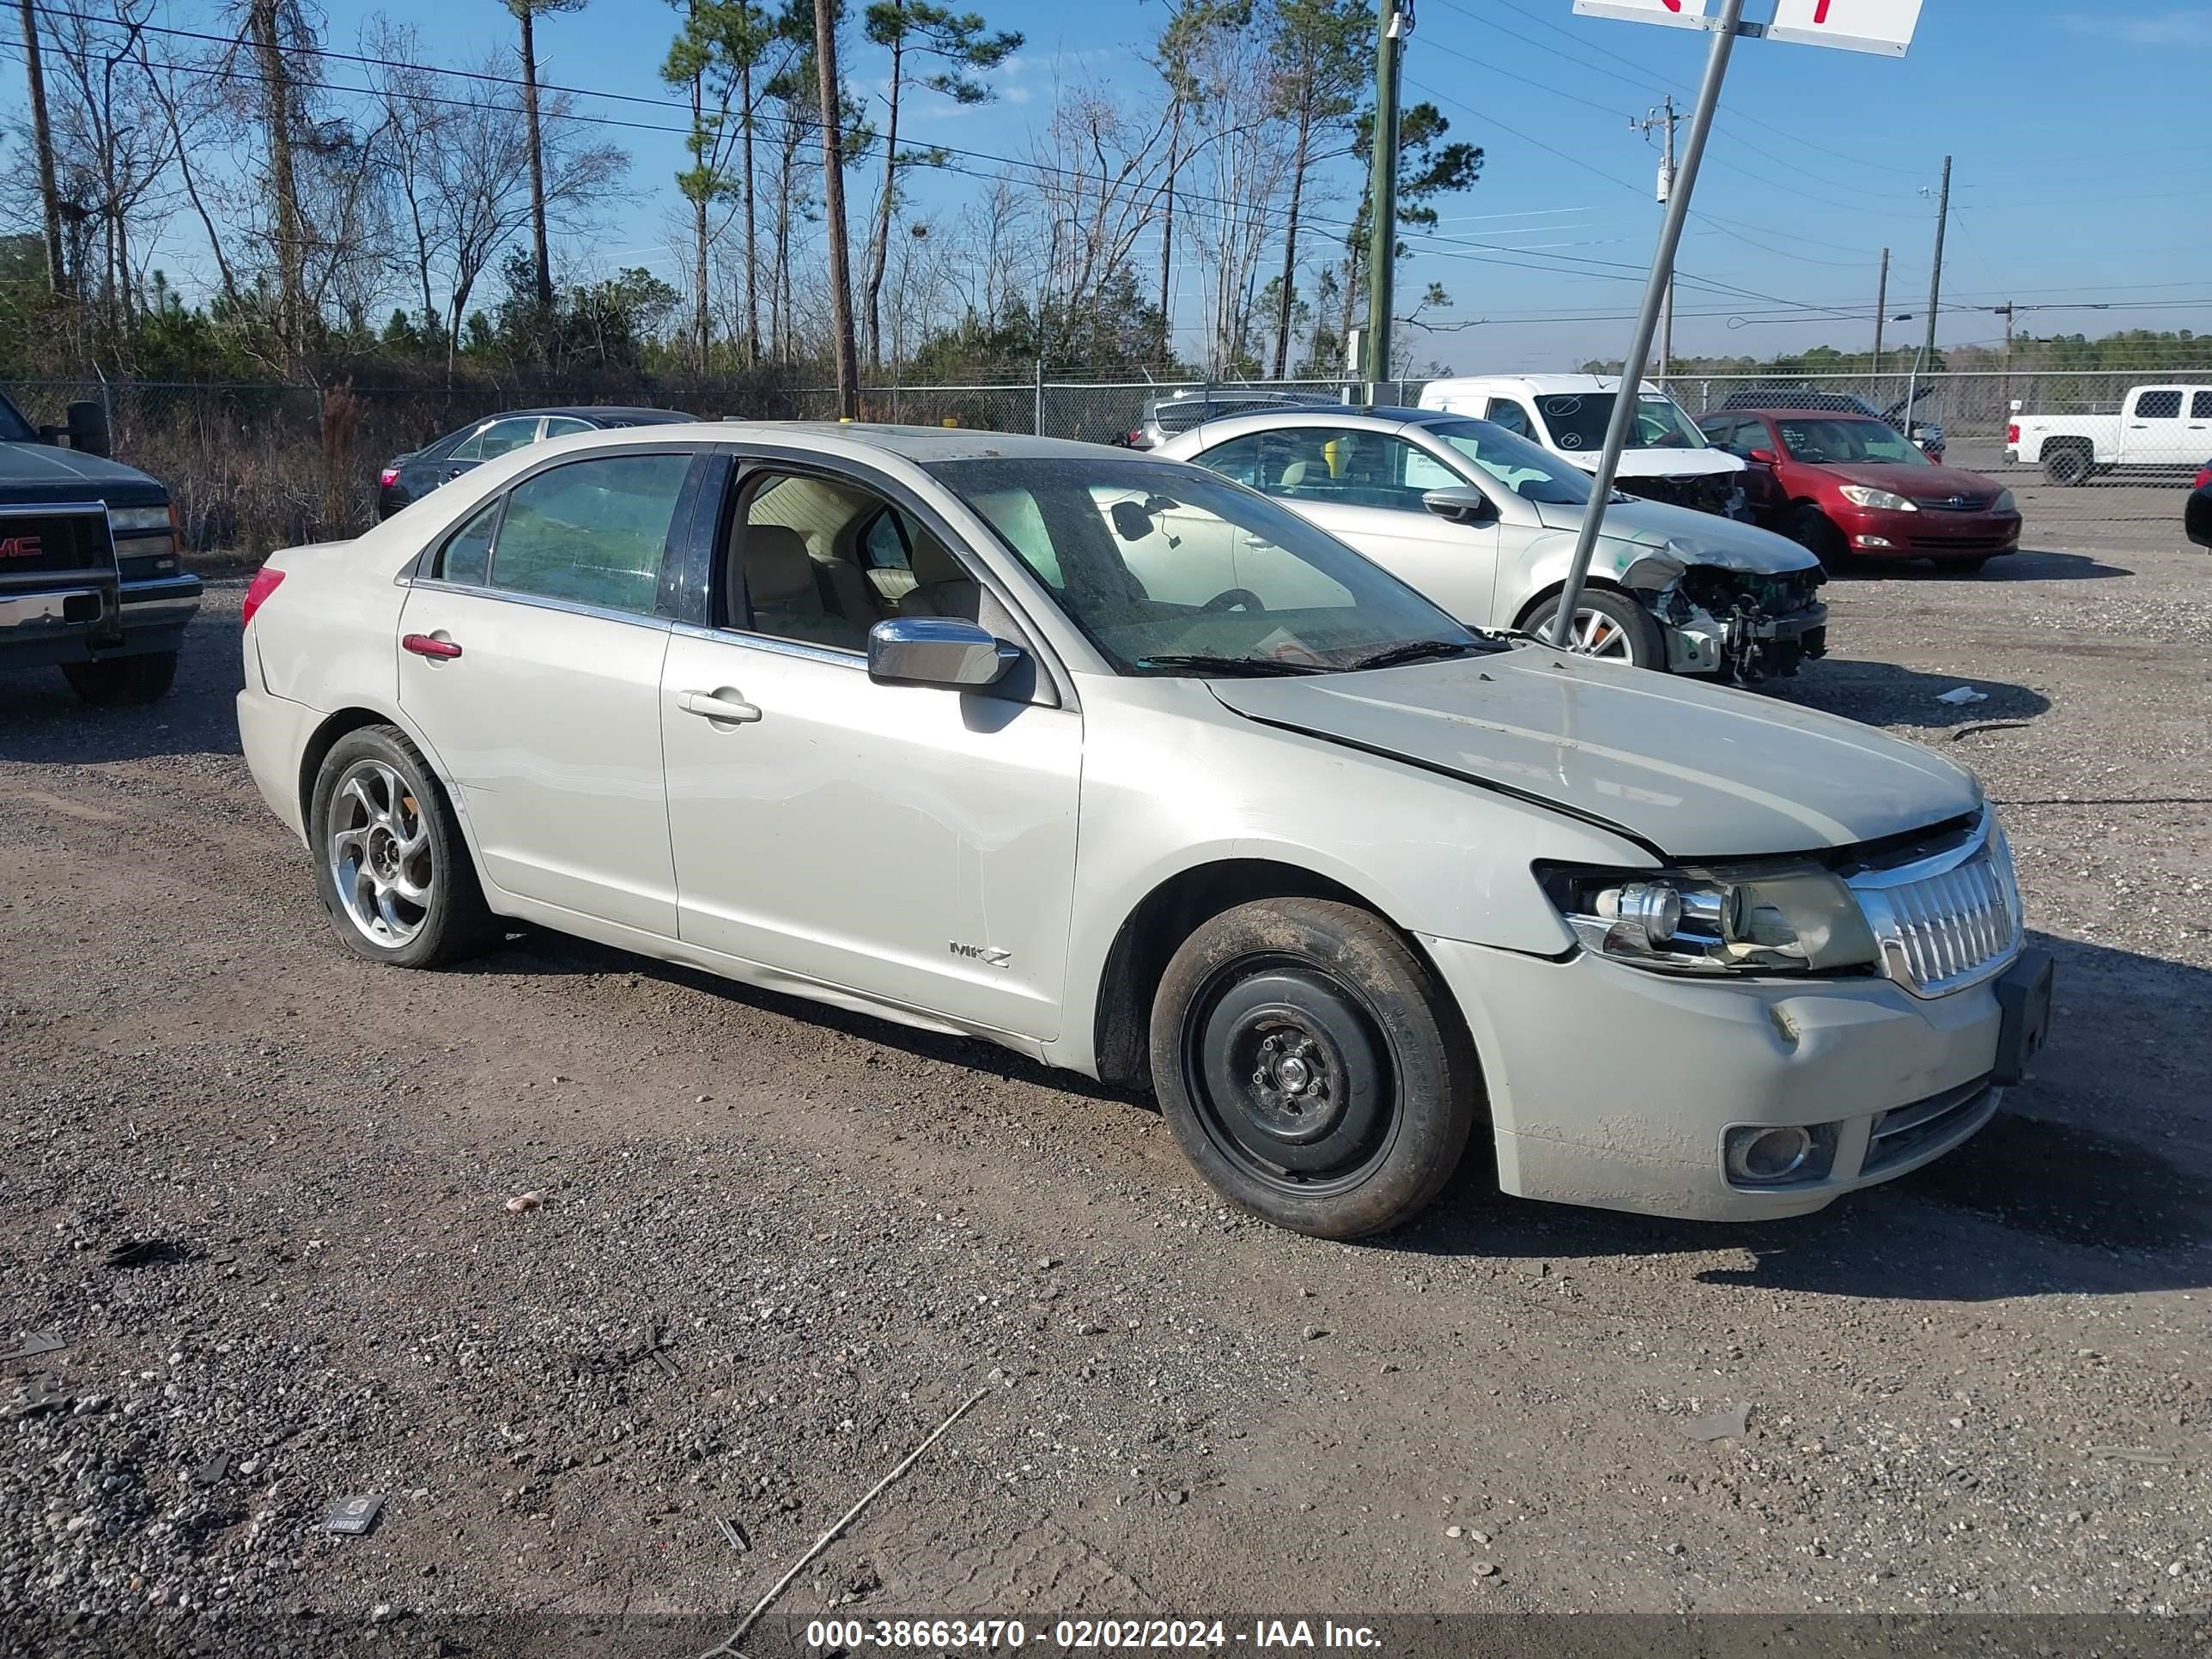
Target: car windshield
<point>1578,421</point>
<point>1532,474</point>
<point>14,428</point>
<point>1821,442</point>
<point>1171,571</point>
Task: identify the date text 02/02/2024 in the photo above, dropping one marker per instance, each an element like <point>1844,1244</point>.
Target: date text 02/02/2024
<point>1077,1635</point>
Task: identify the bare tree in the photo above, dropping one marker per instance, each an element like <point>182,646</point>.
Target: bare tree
<point>526,14</point>
<point>921,31</point>
<point>264,26</point>
<point>1246,151</point>
<point>1098,169</point>
<point>712,60</point>
<point>1324,55</point>
<point>42,145</point>
<point>831,98</point>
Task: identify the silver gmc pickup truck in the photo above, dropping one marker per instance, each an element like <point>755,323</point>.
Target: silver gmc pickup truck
<point>89,577</point>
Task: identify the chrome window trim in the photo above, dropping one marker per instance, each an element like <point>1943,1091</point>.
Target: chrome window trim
<point>542,602</point>
<point>829,654</point>
<point>1873,889</point>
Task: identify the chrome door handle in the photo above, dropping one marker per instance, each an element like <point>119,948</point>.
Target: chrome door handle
<point>714,706</point>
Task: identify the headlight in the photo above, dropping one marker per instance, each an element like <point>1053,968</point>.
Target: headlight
<point>1888,500</point>
<point>1795,919</point>
<point>2004,502</point>
<point>128,520</point>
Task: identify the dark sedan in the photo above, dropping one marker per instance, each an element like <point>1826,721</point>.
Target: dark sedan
<point>407,478</point>
<point>2198,517</point>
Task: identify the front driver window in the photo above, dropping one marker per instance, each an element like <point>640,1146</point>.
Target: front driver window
<point>591,532</point>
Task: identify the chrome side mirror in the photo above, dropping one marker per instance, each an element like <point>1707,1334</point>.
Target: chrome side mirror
<point>937,651</point>
<point>1460,503</point>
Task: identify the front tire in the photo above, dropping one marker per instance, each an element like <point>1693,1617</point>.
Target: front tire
<point>120,680</point>
<point>1609,625</point>
<point>1816,532</point>
<point>1312,1067</point>
<point>390,862</point>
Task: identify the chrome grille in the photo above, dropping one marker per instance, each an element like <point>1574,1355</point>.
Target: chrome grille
<point>1948,922</point>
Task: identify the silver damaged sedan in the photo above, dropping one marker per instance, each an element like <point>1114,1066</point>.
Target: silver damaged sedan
<point>1132,769</point>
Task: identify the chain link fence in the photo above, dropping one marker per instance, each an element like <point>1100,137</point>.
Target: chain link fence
<point>252,467</point>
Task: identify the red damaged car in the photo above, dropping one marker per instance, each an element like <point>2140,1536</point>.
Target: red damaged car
<point>1842,484</point>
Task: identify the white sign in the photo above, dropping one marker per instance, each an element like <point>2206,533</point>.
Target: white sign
<point>1879,26</point>
<point>1682,14</point>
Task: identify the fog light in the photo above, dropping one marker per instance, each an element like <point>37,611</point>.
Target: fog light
<point>1871,541</point>
<point>1759,1157</point>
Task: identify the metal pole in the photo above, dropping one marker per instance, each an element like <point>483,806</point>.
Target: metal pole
<point>1647,320</point>
<point>1935,274</point>
<point>1038,416</point>
<point>1383,194</point>
<point>1880,308</point>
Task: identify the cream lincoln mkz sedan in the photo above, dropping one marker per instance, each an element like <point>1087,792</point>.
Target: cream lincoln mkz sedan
<point>1131,768</point>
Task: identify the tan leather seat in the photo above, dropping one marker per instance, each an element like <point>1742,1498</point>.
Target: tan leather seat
<point>789,598</point>
<point>942,585</point>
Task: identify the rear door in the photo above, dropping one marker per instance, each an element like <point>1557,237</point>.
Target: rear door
<point>2199,424</point>
<point>2153,432</point>
<point>529,656</point>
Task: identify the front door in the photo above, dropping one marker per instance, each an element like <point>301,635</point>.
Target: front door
<point>2153,432</point>
<point>1364,488</point>
<point>531,660</point>
<point>912,843</point>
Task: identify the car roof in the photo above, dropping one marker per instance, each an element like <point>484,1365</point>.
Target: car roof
<point>927,444</point>
<point>1538,385</point>
<point>630,412</point>
<point>1778,410</point>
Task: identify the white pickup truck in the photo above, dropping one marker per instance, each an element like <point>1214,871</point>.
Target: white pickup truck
<point>2159,427</point>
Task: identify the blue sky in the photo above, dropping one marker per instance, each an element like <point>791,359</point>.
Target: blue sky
<point>2079,171</point>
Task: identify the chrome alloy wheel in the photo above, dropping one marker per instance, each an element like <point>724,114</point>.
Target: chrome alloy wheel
<point>381,867</point>
<point>1597,634</point>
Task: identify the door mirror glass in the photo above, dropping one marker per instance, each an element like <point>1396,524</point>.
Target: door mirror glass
<point>937,651</point>
<point>1460,503</point>
<point>1764,457</point>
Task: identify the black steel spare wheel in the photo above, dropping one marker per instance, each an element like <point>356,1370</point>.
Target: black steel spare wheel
<point>1312,1066</point>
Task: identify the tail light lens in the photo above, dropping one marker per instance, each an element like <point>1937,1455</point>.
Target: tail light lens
<point>390,477</point>
<point>258,591</point>
<point>2012,432</point>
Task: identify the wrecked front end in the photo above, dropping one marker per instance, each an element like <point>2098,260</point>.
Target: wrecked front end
<point>1742,626</point>
<point>1719,493</point>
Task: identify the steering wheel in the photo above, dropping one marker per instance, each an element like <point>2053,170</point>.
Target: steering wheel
<point>1230,597</point>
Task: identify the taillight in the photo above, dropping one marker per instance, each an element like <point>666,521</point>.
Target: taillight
<point>2012,432</point>
<point>390,477</point>
<point>257,590</point>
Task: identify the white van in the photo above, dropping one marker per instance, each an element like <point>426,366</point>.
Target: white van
<point>1666,459</point>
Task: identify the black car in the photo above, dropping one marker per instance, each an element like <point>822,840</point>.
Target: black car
<point>89,580</point>
<point>407,478</point>
<point>2198,518</point>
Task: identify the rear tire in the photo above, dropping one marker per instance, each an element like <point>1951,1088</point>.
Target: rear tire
<point>120,680</point>
<point>2069,463</point>
<point>1312,1067</point>
<point>391,864</point>
<point>1620,630</point>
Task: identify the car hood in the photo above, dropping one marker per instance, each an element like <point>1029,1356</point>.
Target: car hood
<point>47,472</point>
<point>1919,483</point>
<point>1660,463</point>
<point>1690,771</point>
<point>1692,537</point>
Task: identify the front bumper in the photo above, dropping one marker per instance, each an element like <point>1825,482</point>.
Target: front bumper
<point>1613,1087</point>
<point>1929,534</point>
<point>78,621</point>
<point>1748,648</point>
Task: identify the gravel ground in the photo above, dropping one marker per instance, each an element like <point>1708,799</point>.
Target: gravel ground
<point>776,1245</point>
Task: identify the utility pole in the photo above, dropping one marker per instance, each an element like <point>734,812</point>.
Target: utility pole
<point>2007,311</point>
<point>1936,274</point>
<point>42,140</point>
<point>833,208</point>
<point>1880,308</point>
<point>1653,122</point>
<point>1396,23</point>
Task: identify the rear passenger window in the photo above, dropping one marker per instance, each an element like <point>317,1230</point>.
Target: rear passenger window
<point>2159,406</point>
<point>1507,414</point>
<point>467,552</point>
<point>2200,406</point>
<point>590,532</point>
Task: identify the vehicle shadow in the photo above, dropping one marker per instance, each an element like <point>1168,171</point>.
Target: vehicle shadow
<point>2028,565</point>
<point>2095,1179</point>
<point>1886,694</point>
<point>43,722</point>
